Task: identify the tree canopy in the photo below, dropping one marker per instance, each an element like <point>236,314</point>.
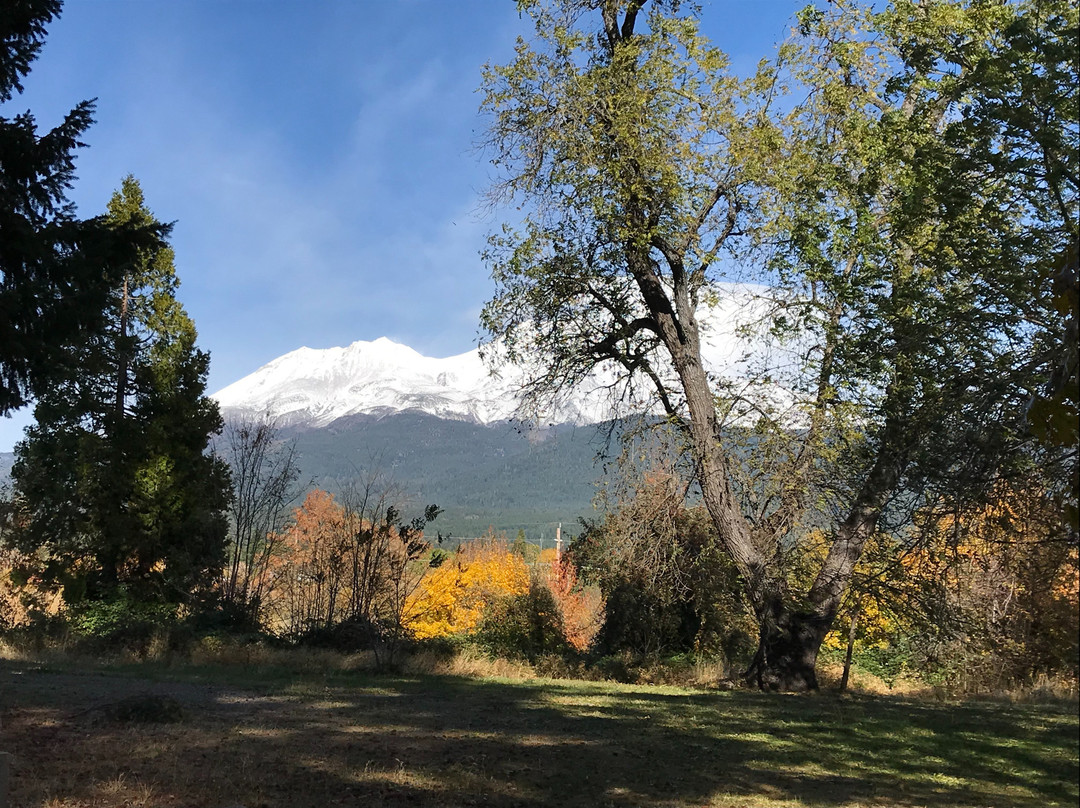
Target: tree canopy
<point>55,270</point>
<point>872,178</point>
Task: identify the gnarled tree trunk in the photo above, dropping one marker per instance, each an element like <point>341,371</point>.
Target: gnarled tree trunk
<point>786,659</point>
<point>790,636</point>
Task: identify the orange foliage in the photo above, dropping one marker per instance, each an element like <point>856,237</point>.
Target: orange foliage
<point>32,596</point>
<point>451,598</point>
<point>309,567</point>
<point>582,608</point>
<point>334,564</point>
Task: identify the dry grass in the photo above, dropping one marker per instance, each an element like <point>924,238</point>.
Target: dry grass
<point>294,734</point>
<point>860,681</point>
<point>470,662</point>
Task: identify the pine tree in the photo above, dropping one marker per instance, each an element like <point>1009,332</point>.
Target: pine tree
<point>119,489</point>
<point>520,546</point>
<point>55,270</point>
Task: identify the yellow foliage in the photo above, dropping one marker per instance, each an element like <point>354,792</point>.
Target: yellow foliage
<point>451,598</point>
<point>548,555</point>
<point>1005,566</point>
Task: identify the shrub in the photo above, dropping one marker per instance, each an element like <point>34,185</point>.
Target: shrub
<point>452,598</point>
<point>124,624</point>
<point>527,626</point>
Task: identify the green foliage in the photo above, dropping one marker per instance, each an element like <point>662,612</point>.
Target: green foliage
<point>623,143</point>
<point>114,480</point>
<point>120,619</point>
<point>127,623</point>
<point>528,626</point>
<point>55,270</point>
<point>933,282</point>
<point>889,662</point>
<point>519,545</point>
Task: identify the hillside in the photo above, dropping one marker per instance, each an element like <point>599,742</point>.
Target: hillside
<point>500,475</point>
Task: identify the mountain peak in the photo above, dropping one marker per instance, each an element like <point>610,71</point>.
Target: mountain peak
<point>315,387</point>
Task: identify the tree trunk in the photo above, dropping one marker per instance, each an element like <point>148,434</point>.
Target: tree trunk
<point>786,659</point>
<point>850,646</point>
<point>788,645</point>
<point>122,354</point>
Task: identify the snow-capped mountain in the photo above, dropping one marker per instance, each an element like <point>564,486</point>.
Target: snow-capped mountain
<point>314,388</point>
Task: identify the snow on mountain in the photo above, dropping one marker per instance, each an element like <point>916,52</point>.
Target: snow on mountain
<point>316,387</point>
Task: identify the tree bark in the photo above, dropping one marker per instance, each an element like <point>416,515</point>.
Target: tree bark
<point>786,659</point>
<point>788,641</point>
<point>122,354</point>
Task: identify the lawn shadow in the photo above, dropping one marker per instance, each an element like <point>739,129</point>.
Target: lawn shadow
<point>285,740</point>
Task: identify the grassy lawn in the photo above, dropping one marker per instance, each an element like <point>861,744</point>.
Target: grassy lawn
<point>269,737</point>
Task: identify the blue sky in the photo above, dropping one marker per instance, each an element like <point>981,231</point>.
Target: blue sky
<point>318,158</point>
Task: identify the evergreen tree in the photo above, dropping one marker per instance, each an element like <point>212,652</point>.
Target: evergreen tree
<point>520,546</point>
<point>55,270</point>
<point>115,477</point>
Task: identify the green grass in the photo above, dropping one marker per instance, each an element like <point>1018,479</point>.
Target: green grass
<point>270,736</point>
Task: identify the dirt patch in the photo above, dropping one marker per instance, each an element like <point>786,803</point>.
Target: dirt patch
<point>142,708</point>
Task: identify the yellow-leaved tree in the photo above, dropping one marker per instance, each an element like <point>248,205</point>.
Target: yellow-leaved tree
<point>452,597</point>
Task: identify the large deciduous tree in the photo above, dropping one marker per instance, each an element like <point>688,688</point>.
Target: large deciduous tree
<point>119,490</point>
<point>923,228</point>
<point>905,255</point>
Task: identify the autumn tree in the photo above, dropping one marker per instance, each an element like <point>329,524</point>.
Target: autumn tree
<point>312,571</point>
<point>581,607</point>
<point>119,492</point>
<point>452,598</point>
<point>1002,580</point>
<point>345,571</point>
<point>645,167</point>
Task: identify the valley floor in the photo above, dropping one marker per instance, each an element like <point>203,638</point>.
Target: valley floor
<point>150,735</point>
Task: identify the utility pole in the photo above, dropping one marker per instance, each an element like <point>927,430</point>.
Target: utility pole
<point>558,543</point>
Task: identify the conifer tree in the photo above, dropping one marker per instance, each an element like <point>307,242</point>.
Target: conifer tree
<point>119,489</point>
<point>55,270</point>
